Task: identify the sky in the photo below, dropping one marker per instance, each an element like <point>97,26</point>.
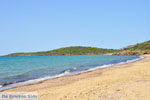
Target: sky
<point>41,25</point>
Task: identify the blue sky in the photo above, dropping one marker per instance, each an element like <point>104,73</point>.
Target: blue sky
<point>40,25</point>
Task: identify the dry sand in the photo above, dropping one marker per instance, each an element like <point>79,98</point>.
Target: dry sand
<point>121,82</point>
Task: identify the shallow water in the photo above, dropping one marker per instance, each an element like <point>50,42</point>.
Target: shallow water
<point>20,69</point>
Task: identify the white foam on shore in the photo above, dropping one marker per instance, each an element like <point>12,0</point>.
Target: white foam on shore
<point>109,65</point>
<point>64,74</point>
<point>31,81</point>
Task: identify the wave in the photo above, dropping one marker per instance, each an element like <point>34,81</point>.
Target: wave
<point>69,71</point>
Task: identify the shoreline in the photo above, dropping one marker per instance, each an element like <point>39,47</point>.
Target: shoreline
<point>125,81</point>
<point>39,80</point>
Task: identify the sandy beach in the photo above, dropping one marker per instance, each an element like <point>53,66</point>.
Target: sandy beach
<point>129,81</point>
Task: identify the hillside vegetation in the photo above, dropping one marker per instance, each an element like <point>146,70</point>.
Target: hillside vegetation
<point>137,49</point>
<point>139,46</point>
<point>76,50</point>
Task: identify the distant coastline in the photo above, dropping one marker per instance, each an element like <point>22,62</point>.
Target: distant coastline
<point>137,49</point>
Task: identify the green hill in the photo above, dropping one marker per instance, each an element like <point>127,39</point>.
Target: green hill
<point>74,50</point>
<point>139,46</point>
<point>137,49</point>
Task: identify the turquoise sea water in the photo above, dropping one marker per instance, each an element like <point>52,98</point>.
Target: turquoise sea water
<point>19,69</point>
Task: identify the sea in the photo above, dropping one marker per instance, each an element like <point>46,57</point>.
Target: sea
<point>15,71</point>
